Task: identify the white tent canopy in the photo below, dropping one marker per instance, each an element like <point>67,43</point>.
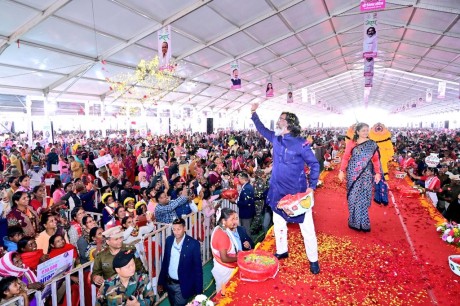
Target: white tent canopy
<point>66,48</point>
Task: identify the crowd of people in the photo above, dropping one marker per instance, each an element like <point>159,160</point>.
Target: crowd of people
<point>49,189</point>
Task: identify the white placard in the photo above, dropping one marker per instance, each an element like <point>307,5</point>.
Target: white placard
<point>103,160</point>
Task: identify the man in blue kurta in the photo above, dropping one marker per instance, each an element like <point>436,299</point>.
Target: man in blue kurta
<point>290,154</point>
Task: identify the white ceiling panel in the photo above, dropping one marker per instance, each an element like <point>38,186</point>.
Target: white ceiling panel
<point>214,91</point>
<point>108,17</point>
<point>432,19</point>
<point>286,45</point>
<point>427,38</point>
<point>212,77</point>
<point>316,33</point>
<point>405,47</point>
<point>86,86</point>
<point>298,56</point>
<point>237,44</point>
<point>132,55</point>
<point>39,5</point>
<point>445,56</point>
<point>68,36</point>
<point>206,57</point>
<point>328,44</point>
<point>21,77</point>
<point>161,8</point>
<point>193,24</point>
<point>267,29</point>
<point>13,16</point>
<point>241,12</point>
<point>260,56</point>
<point>304,14</point>
<point>37,58</point>
<point>274,66</point>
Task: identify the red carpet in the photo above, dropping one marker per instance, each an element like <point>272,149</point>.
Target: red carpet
<point>378,268</point>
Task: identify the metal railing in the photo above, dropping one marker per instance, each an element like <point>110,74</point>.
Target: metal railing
<point>13,301</point>
<point>153,253</point>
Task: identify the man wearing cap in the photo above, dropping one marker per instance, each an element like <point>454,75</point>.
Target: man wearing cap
<point>103,268</point>
<point>181,270</point>
<point>127,287</point>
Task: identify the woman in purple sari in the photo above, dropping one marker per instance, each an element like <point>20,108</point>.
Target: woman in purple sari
<point>361,161</point>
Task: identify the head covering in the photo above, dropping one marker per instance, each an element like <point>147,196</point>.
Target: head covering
<point>127,200</point>
<point>455,177</point>
<point>139,204</point>
<point>113,232</point>
<point>122,259</point>
<point>7,268</point>
<point>105,196</point>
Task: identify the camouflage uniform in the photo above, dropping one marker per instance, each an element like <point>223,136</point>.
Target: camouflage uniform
<point>260,185</point>
<point>113,293</point>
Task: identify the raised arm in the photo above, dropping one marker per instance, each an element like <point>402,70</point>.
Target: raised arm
<point>268,134</point>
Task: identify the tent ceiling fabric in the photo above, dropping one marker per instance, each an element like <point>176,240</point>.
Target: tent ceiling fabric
<point>57,46</point>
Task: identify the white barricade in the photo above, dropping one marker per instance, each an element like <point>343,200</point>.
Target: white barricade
<point>156,242</point>
<point>228,204</point>
<point>67,284</point>
<point>13,301</point>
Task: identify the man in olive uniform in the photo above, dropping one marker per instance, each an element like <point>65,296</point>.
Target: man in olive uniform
<point>103,269</point>
<point>126,287</point>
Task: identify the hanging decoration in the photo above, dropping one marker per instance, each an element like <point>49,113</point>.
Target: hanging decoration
<point>269,90</point>
<point>290,97</point>
<point>304,95</point>
<point>369,66</point>
<point>164,47</point>
<point>442,90</point>
<point>428,95</point>
<point>370,35</point>
<point>235,75</point>
<point>368,81</point>
<point>145,83</point>
<point>313,98</point>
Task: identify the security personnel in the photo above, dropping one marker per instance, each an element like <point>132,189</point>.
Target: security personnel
<point>452,213</point>
<point>103,269</point>
<point>126,287</point>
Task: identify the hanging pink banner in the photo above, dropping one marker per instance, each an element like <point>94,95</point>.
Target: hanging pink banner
<point>370,5</point>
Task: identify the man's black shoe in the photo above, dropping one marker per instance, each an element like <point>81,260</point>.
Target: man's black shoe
<point>314,267</point>
<point>282,256</point>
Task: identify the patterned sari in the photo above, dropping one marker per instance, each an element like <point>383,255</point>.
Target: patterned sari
<point>360,180</point>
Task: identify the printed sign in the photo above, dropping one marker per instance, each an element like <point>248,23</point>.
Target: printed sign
<point>164,47</point>
<point>370,5</point>
<point>235,75</point>
<point>441,90</point>
<point>429,95</point>
<point>369,66</point>
<point>370,35</point>
<point>52,268</point>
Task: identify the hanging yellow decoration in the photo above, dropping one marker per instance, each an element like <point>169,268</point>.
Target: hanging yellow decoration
<point>147,83</point>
